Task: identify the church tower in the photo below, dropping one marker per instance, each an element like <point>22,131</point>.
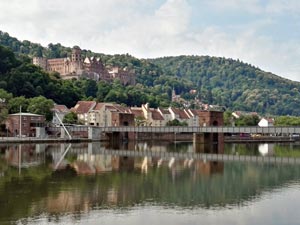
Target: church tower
<point>174,96</point>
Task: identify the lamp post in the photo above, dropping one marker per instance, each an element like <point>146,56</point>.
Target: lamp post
<point>20,129</point>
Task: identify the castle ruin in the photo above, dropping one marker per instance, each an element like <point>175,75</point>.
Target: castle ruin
<point>90,67</point>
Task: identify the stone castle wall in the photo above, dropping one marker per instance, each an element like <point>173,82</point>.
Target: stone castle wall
<point>91,68</point>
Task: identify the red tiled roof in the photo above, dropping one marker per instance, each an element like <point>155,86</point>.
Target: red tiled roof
<point>83,107</point>
<point>110,108</point>
<point>137,112</point>
<point>99,106</point>
<point>121,108</point>
<point>180,113</point>
<point>61,109</point>
<point>164,111</point>
<point>156,115</point>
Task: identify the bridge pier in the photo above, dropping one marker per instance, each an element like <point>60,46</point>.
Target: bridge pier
<point>94,133</point>
<point>208,142</point>
<point>62,133</point>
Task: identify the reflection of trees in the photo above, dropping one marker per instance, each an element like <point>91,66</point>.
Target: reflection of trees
<point>280,149</point>
<point>66,192</point>
<point>39,190</point>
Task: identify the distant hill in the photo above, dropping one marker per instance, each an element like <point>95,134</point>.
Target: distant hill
<point>215,80</point>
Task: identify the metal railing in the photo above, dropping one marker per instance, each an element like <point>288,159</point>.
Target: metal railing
<point>238,130</point>
<point>219,129</point>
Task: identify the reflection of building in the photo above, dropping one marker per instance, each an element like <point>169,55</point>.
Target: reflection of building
<point>266,149</point>
<point>209,168</point>
<point>25,155</point>
<point>28,125</point>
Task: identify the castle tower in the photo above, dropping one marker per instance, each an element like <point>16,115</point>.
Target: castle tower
<point>76,54</point>
<point>76,64</point>
<point>40,61</point>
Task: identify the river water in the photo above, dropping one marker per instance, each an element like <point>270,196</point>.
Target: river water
<point>89,183</point>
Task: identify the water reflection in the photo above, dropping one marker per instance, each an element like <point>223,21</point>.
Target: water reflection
<point>57,179</point>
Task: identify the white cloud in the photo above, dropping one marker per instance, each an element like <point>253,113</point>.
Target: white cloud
<point>144,30</point>
<point>283,6</point>
<point>252,6</point>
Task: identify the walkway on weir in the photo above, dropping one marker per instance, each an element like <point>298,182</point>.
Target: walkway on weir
<point>251,130</point>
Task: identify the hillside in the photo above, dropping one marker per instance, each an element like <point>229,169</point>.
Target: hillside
<point>235,84</point>
<point>227,82</point>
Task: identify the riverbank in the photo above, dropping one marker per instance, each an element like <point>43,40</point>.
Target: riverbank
<point>235,139</point>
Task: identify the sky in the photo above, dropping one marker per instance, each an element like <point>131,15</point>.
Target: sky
<point>264,33</point>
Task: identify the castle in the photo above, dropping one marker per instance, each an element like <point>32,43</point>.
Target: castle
<point>90,67</point>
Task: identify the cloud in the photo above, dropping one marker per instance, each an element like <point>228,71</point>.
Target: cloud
<point>152,28</point>
<point>283,6</point>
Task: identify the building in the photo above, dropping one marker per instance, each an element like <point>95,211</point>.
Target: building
<point>90,67</point>
<point>180,114</point>
<point>59,112</point>
<point>82,109</point>
<point>153,116</point>
<point>126,76</point>
<point>266,122</point>
<point>28,125</point>
<point>210,118</point>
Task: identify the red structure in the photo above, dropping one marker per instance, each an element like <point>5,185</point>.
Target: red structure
<point>28,125</point>
<point>204,141</point>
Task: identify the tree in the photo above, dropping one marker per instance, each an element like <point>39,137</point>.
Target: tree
<point>41,105</point>
<point>15,103</point>
<point>176,122</point>
<point>247,120</point>
<point>4,98</point>
<point>90,88</point>
<point>70,118</point>
<point>7,60</point>
<point>228,118</point>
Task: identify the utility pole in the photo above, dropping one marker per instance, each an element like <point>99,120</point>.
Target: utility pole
<point>20,129</point>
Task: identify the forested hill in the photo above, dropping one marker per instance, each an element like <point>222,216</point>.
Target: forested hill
<point>235,84</point>
<point>219,81</point>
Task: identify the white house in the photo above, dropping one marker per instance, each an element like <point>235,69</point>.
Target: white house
<point>266,122</point>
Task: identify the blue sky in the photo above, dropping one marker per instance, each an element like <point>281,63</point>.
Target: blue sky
<point>263,33</point>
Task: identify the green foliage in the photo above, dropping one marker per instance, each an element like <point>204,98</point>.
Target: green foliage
<point>5,97</point>
<point>235,85</point>
<point>287,121</point>
<point>228,119</point>
<point>247,120</point>
<point>70,118</point>
<point>15,103</point>
<point>7,60</point>
<point>176,122</point>
<point>41,105</point>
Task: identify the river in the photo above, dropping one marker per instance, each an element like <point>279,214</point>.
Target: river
<point>89,183</point>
